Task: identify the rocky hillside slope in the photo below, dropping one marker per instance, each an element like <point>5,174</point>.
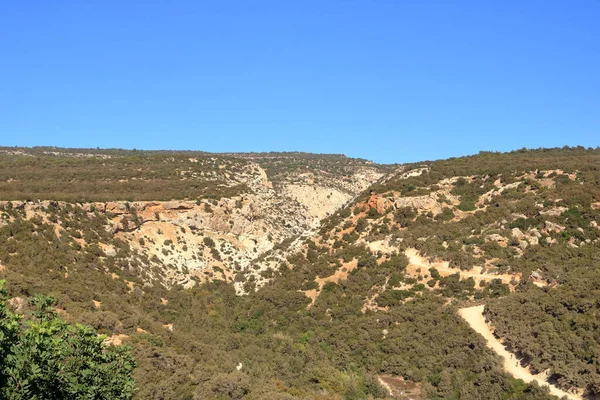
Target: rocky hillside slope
<point>352,272</point>
<point>230,209</point>
<point>506,227</point>
<point>482,225</point>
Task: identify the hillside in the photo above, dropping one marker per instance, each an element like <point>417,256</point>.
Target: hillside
<point>517,231</point>
<point>299,276</point>
<point>185,217</point>
<point>88,175</point>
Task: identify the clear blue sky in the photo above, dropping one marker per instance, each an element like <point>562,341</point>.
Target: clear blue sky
<point>390,81</point>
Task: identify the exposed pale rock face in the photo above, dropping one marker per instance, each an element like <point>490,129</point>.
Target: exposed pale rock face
<point>421,203</point>
<point>486,197</point>
<point>534,232</point>
<point>413,173</point>
<point>552,227</point>
<point>501,240</point>
<point>189,240</point>
<point>554,212</point>
<point>319,201</point>
<point>115,340</point>
<point>516,232</point>
<point>17,303</point>
<point>117,208</point>
<point>242,228</point>
<point>382,204</point>
<point>109,251</point>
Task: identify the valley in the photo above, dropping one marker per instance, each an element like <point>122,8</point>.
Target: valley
<point>301,276</point>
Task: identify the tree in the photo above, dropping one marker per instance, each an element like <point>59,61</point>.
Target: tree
<point>48,358</point>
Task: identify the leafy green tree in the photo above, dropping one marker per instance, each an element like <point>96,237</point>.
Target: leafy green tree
<point>47,358</point>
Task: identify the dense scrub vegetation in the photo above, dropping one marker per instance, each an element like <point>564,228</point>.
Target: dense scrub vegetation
<point>54,174</point>
<point>557,329</point>
<point>78,175</point>
<point>369,316</point>
<point>569,159</point>
<point>531,214</point>
<point>295,166</point>
<point>499,210</point>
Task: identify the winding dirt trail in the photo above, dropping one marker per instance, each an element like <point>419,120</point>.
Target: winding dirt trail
<point>474,317</point>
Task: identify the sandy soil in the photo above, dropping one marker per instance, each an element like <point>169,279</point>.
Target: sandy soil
<point>339,275</point>
<point>417,261</point>
<point>115,340</point>
<point>474,317</point>
<point>399,388</point>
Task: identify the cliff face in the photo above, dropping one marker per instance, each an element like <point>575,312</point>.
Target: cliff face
<point>188,241</point>
<point>206,239</point>
<point>374,284</point>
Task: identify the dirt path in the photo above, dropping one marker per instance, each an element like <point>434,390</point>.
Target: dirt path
<point>474,317</point>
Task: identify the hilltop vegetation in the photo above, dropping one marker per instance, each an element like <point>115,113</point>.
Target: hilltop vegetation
<point>86,175</point>
<point>371,290</point>
<point>521,227</point>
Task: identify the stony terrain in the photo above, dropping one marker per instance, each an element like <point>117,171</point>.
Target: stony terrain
<point>229,273</point>
<point>212,237</point>
<point>452,228</point>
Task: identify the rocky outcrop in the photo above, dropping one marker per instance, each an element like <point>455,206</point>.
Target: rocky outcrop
<point>319,201</point>
<point>206,239</point>
<point>18,304</point>
<point>428,203</point>
<point>553,227</point>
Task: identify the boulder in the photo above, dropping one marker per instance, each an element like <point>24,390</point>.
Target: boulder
<point>116,208</point>
<point>518,234</point>
<point>553,227</point>
<point>17,303</point>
